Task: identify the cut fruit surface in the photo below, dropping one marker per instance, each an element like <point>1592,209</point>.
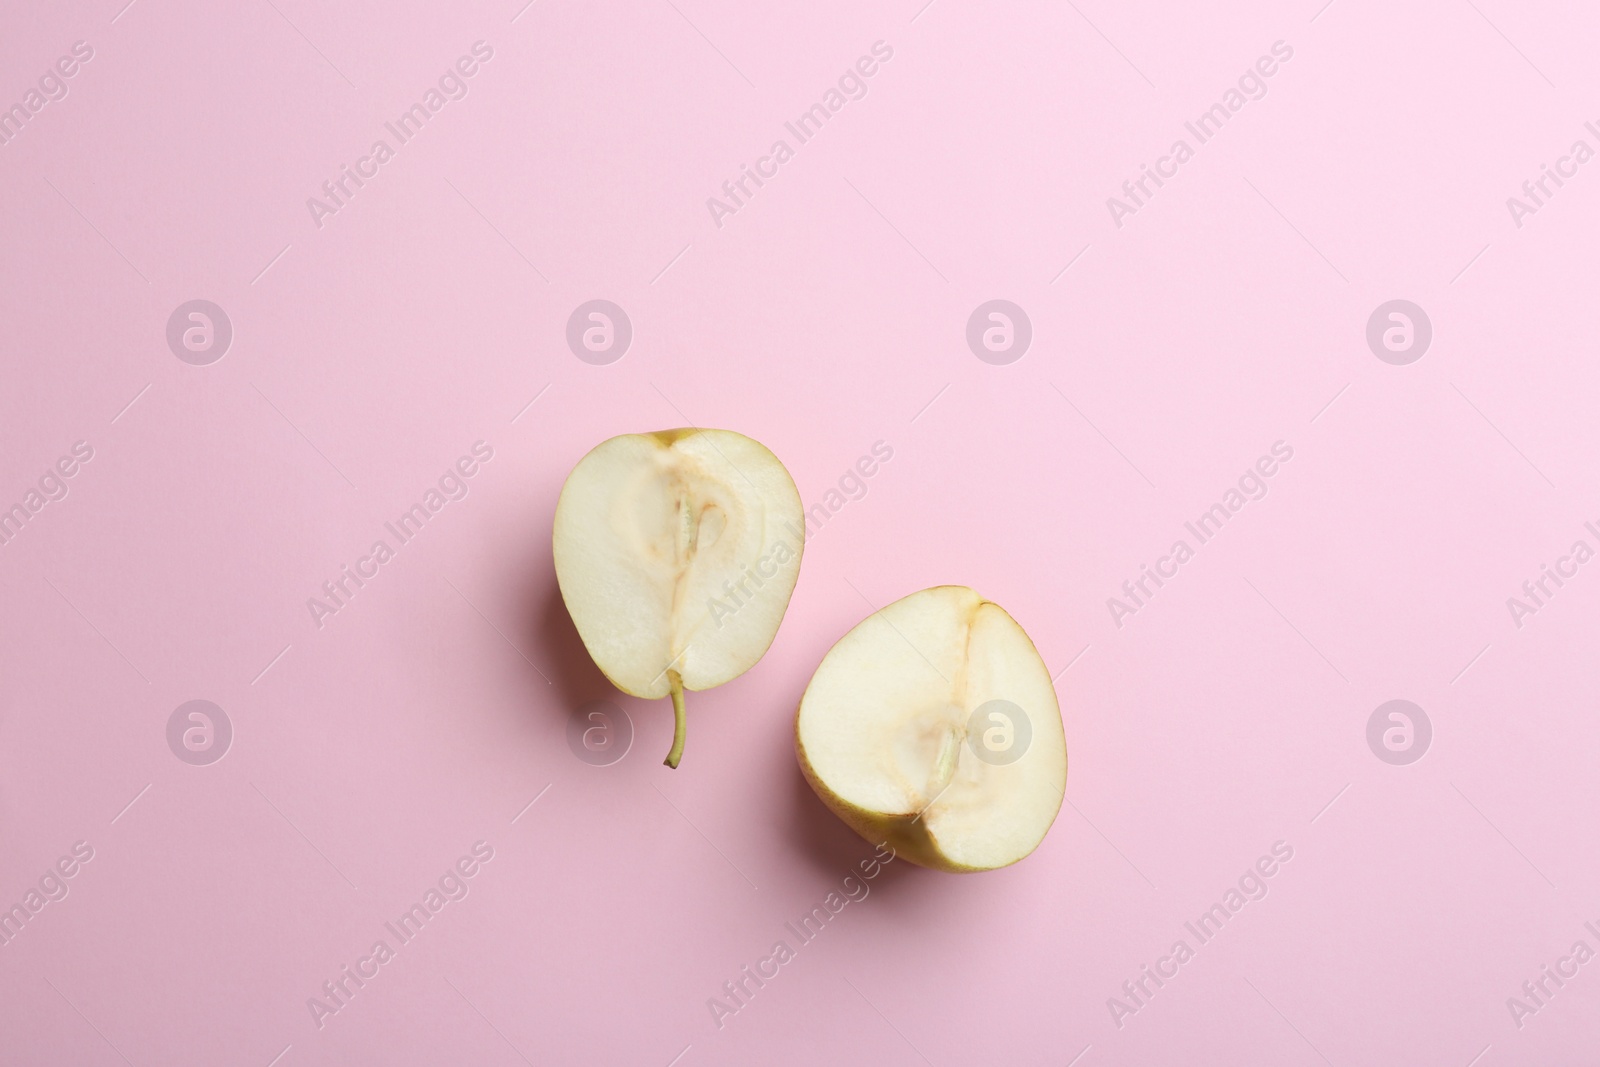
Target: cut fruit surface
<point>676,553</point>
<point>933,725</point>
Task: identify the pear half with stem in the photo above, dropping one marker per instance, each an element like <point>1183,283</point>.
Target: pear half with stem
<point>676,553</point>
<point>933,725</point>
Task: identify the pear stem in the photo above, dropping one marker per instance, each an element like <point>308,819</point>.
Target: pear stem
<point>680,721</point>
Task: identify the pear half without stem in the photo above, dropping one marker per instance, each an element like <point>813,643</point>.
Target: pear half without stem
<point>676,553</point>
<point>933,725</point>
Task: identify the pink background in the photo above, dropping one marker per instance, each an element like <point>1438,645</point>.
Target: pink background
<point>827,314</point>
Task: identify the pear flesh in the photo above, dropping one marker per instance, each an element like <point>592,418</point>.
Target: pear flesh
<point>676,553</point>
<point>934,726</point>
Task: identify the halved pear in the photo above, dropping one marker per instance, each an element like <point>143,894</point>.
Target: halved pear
<point>933,725</point>
<point>676,553</point>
